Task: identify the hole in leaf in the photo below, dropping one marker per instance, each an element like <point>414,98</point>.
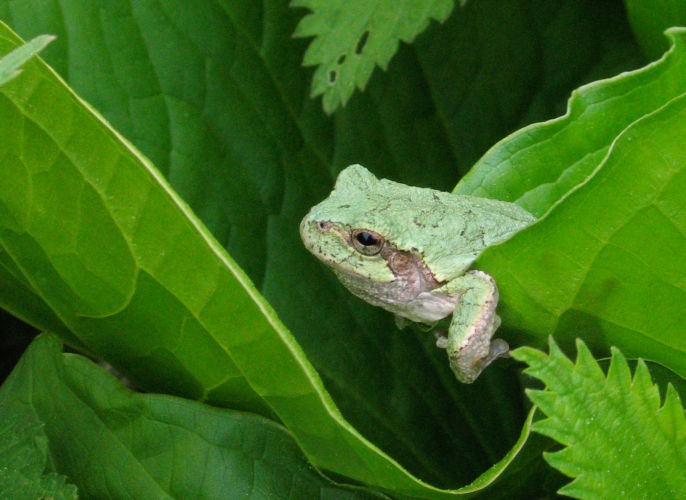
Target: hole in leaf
<point>341,59</point>
<point>332,76</point>
<point>361,43</point>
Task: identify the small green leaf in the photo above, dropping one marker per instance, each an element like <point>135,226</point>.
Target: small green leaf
<point>10,64</point>
<point>352,37</point>
<point>619,440</point>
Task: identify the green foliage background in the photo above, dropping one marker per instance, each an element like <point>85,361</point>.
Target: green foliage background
<point>100,249</point>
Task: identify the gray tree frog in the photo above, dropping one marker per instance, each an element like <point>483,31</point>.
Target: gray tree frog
<point>408,250</point>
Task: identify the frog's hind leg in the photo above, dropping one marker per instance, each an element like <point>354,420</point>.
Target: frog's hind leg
<point>469,345</point>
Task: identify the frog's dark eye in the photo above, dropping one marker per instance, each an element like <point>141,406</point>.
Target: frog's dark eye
<point>367,242</point>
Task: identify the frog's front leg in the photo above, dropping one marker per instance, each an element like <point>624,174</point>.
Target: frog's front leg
<point>469,345</point>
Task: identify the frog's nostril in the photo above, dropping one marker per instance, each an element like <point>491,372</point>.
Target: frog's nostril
<point>323,226</point>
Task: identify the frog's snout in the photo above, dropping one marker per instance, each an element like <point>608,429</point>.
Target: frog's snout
<point>303,229</point>
<point>307,232</point>
<point>313,233</point>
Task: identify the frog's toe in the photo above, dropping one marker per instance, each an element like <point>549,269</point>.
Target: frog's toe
<point>441,339</point>
<point>499,349</point>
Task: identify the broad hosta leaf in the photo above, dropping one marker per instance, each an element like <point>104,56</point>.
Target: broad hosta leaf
<point>650,18</point>
<point>461,86</point>
<point>102,239</point>
<point>608,258</point>
<point>620,440</point>
<point>23,459</point>
<point>352,37</point>
<point>10,64</point>
<point>114,443</point>
<point>80,223</point>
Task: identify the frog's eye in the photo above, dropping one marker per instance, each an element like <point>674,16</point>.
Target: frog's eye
<point>367,242</point>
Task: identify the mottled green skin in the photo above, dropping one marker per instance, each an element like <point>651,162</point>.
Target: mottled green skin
<point>435,235</point>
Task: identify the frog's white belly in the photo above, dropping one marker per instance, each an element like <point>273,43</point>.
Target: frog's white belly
<point>409,300</point>
<point>427,307</point>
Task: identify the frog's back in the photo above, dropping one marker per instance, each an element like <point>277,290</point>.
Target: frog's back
<point>449,230</point>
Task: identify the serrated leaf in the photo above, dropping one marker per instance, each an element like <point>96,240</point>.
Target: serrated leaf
<point>352,37</point>
<point>116,443</point>
<point>620,441</point>
<point>11,63</point>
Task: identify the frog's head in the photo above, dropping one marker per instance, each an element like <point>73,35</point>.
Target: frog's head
<point>341,230</point>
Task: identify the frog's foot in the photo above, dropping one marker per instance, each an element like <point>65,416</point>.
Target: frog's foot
<point>476,353</point>
<point>499,349</point>
<point>441,337</point>
<point>470,349</point>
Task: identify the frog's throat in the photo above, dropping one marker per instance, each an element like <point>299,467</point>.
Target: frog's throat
<point>408,294</point>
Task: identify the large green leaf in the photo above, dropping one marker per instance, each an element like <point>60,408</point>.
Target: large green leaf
<point>619,439</point>
<point>607,260</point>
<point>80,222</point>
<point>115,443</point>
<point>538,165</point>
<point>442,103</point>
<point>100,236</point>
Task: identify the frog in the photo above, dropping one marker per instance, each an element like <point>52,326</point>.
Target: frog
<point>410,250</point>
